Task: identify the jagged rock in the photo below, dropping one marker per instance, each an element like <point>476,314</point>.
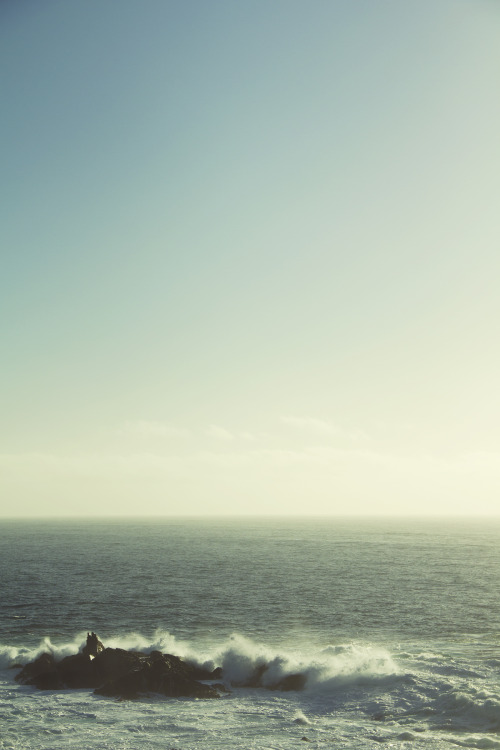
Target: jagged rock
<point>119,673</point>
<point>42,673</point>
<point>93,645</point>
<point>128,674</point>
<point>157,673</point>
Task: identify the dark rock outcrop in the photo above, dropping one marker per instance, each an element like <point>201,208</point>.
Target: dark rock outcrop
<point>155,673</point>
<point>93,645</point>
<point>119,673</point>
<point>42,673</point>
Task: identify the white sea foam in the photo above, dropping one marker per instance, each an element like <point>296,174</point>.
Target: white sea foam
<point>409,664</point>
<point>10,655</point>
<point>344,683</point>
<point>301,718</point>
<point>161,641</point>
<point>240,658</point>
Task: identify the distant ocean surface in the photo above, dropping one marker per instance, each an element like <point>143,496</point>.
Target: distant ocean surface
<point>395,624</point>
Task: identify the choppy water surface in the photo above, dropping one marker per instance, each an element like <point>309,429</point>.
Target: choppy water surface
<point>396,626</point>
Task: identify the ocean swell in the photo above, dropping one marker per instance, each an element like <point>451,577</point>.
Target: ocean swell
<point>470,710</point>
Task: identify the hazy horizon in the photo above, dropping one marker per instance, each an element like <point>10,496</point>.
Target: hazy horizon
<point>250,259</point>
<point>447,521</point>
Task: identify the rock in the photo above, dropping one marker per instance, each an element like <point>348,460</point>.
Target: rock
<point>156,673</point>
<point>42,673</point>
<point>290,682</point>
<point>119,673</point>
<point>301,720</point>
<point>129,674</point>
<point>93,645</point>
<point>77,671</point>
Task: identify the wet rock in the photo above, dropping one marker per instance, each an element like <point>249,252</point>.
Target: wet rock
<point>42,673</point>
<point>93,645</point>
<point>290,682</point>
<point>77,671</point>
<point>130,674</point>
<point>156,673</point>
<point>119,673</point>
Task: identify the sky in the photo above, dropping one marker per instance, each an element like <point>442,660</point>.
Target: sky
<point>250,257</point>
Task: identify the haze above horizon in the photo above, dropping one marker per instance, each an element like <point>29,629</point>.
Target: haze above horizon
<point>251,255</point>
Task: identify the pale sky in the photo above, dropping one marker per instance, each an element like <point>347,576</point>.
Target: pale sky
<point>250,257</point>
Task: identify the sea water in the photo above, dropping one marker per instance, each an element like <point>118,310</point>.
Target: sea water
<point>394,624</point>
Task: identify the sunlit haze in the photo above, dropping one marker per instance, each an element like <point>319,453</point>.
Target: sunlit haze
<point>250,257</point>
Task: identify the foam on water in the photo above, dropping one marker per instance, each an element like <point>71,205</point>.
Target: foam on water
<point>355,693</point>
<point>394,628</point>
<point>161,641</point>
<point>301,718</point>
<point>325,670</point>
<point>10,655</point>
<point>240,658</point>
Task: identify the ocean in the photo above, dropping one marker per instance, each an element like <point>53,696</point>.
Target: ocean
<point>394,623</point>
